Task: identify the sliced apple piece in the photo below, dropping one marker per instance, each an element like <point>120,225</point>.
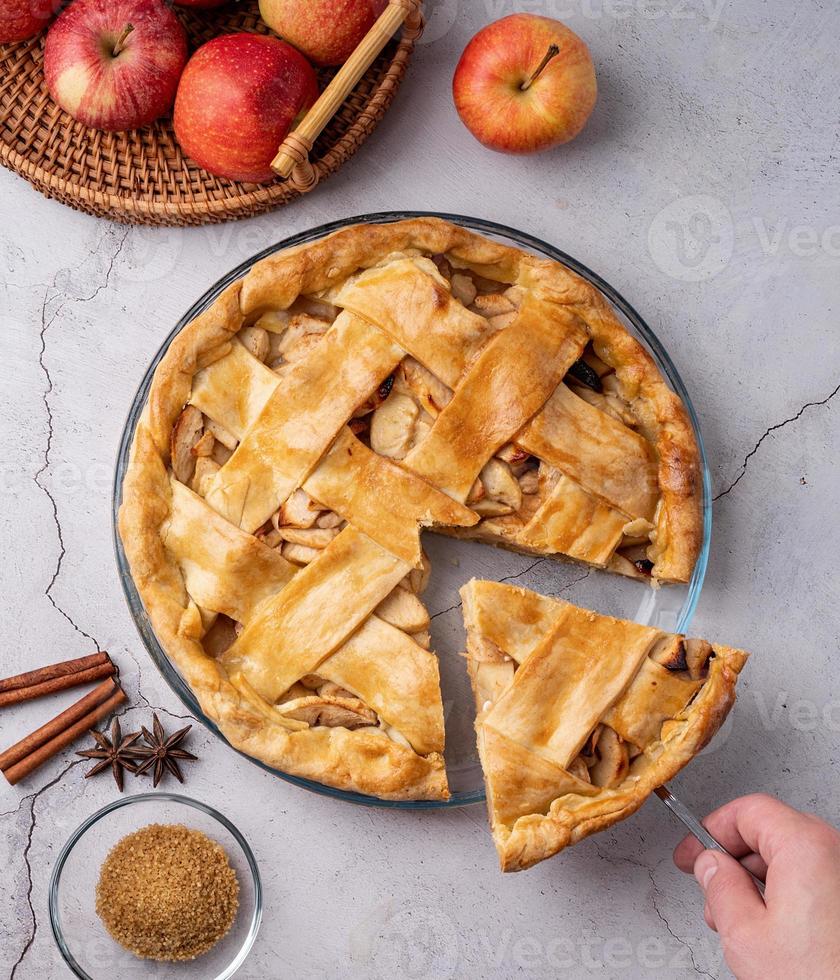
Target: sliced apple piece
<point>613,759</point>
<point>463,289</point>
<point>330,712</point>
<point>185,434</point>
<point>418,578</point>
<point>296,511</point>
<point>299,554</point>
<point>393,426</point>
<point>429,390</point>
<point>255,340</point>
<point>204,446</point>
<point>503,493</point>
<point>206,469</point>
<point>404,610</point>
<point>227,439</point>
<point>312,537</point>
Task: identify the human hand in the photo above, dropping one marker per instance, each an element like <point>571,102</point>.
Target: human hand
<point>795,930</point>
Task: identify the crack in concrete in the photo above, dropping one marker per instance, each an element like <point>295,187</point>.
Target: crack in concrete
<point>507,578</point>
<point>32,822</point>
<point>516,575</point>
<point>510,578</point>
<point>773,428</point>
<point>679,939</point>
<point>443,612</point>
<point>45,326</point>
<point>112,262</point>
<point>574,582</point>
<point>655,891</point>
<point>142,697</point>
<point>47,322</point>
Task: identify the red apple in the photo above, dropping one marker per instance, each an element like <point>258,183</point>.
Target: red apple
<point>115,64</point>
<point>326,31</point>
<point>239,96</point>
<point>525,83</point>
<point>20,19</point>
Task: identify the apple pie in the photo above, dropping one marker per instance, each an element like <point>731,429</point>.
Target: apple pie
<point>345,394</point>
<point>579,717</point>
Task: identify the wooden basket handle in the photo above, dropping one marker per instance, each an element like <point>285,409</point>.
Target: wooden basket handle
<point>292,160</point>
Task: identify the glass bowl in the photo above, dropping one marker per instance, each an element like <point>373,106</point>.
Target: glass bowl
<point>83,940</point>
<point>454,562</point>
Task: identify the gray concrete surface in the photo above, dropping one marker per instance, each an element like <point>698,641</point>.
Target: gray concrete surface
<point>705,189</point>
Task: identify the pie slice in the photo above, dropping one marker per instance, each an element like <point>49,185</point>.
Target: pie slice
<point>581,716</point>
<point>342,396</point>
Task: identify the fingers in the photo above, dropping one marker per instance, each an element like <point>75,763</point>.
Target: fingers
<point>755,864</point>
<point>687,852</point>
<point>731,896</point>
<point>689,849</point>
<point>755,823</point>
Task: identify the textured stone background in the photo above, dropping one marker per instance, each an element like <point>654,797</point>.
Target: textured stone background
<point>705,189</point>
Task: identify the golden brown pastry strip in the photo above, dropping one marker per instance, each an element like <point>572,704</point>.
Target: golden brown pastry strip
<point>519,781</point>
<point>409,300</point>
<point>573,522</point>
<point>300,419</point>
<point>234,390</point>
<point>353,481</point>
<point>505,385</point>
<point>569,682</point>
<point>597,451</point>
<point>516,620</point>
<point>655,694</point>
<point>225,570</point>
<point>396,677</point>
<point>291,633</point>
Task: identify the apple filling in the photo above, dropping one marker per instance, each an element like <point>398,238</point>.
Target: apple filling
<point>511,491</point>
<point>623,734</point>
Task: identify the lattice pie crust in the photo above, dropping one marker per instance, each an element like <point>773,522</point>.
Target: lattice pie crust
<point>345,394</point>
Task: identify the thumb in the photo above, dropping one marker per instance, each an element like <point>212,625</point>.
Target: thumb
<point>731,896</point>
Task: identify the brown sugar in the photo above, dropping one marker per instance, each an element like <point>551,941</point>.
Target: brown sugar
<point>167,892</point>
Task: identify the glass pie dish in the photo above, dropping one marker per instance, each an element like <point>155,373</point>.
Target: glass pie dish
<point>82,939</point>
<point>454,562</point>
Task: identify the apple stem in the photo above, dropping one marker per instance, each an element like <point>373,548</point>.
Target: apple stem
<point>121,39</point>
<point>552,51</point>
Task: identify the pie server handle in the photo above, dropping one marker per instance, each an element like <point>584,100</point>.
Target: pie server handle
<point>681,811</point>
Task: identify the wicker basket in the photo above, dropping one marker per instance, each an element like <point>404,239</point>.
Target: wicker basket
<point>142,177</point>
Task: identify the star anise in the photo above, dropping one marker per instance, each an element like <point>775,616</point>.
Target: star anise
<point>162,752</point>
<point>115,752</point>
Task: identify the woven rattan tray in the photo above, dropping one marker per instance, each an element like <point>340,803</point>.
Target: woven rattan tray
<point>142,177</point>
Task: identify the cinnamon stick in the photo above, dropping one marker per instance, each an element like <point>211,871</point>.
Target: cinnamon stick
<point>53,670</point>
<point>60,723</point>
<point>27,765</point>
<point>55,677</point>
